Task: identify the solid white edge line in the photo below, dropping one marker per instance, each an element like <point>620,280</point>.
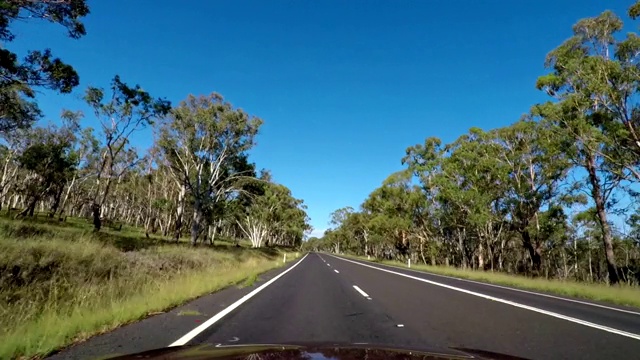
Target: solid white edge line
<point>512,303</point>
<point>360,291</point>
<point>523,291</point>
<point>193,333</point>
<point>337,272</point>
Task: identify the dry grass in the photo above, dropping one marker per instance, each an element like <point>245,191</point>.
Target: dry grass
<point>59,284</point>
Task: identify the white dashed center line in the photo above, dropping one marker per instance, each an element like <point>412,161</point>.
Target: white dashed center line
<point>337,272</point>
<point>362,292</point>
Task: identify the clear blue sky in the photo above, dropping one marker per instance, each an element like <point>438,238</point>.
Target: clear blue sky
<point>344,87</point>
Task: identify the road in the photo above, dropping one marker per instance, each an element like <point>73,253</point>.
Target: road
<point>324,298</point>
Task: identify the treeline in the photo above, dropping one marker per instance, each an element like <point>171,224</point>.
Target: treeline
<point>539,197</point>
<point>195,181</point>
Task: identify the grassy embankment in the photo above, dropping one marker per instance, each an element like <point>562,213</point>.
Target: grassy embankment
<point>619,295</point>
<point>61,283</point>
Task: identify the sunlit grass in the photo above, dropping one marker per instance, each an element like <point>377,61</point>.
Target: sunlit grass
<point>59,285</point>
<point>619,295</point>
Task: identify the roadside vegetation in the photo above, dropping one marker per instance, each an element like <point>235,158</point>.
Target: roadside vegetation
<point>96,232</point>
<point>554,195</point>
<point>60,285</point>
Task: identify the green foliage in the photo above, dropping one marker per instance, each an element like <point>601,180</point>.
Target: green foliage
<point>283,215</point>
<point>634,10</point>
<point>38,68</point>
<point>204,143</point>
<point>128,106</point>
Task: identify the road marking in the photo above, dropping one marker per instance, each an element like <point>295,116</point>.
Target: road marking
<point>508,302</point>
<point>337,272</point>
<point>362,292</point>
<point>193,333</point>
<point>328,264</point>
<point>525,291</point>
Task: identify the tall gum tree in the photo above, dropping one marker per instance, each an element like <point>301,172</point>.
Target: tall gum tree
<point>536,169</point>
<point>204,141</point>
<point>125,110</point>
<point>594,80</point>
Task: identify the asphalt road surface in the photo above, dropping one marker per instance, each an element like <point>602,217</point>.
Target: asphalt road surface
<point>324,298</point>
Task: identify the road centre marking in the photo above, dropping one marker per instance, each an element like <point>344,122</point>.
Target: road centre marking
<point>362,292</point>
<point>337,272</point>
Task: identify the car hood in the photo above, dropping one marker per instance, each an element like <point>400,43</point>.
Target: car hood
<point>309,352</point>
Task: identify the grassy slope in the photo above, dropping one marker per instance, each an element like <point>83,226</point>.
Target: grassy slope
<point>61,283</point>
<point>618,295</point>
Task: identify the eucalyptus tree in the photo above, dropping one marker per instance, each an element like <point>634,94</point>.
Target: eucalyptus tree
<point>537,168</point>
<point>125,110</point>
<point>425,162</point>
<point>274,217</point>
<point>474,183</point>
<point>204,141</point>
<point>49,163</point>
<point>337,218</point>
<point>392,208</point>
<point>594,80</point>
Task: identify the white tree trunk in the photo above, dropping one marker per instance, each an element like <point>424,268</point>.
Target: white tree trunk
<point>255,230</point>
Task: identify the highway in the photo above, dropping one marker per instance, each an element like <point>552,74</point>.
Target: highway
<point>324,298</point>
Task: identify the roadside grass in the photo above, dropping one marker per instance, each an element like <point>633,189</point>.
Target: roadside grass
<point>250,280</point>
<point>625,295</point>
<point>63,284</point>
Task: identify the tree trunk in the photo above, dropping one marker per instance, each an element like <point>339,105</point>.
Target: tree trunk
<point>56,202</point>
<point>66,196</point>
<point>30,209</point>
<point>366,242</point>
<point>535,252</point>
<point>501,256</point>
<point>154,225</point>
<point>195,223</point>
<point>424,260</point>
<point>607,240</point>
<point>463,254</point>
<point>147,225</point>
<point>564,264</point>
<point>491,256</point>
<point>180,212</point>
<point>590,265</point>
<point>97,221</point>
<point>167,224</point>
<point>211,234</point>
